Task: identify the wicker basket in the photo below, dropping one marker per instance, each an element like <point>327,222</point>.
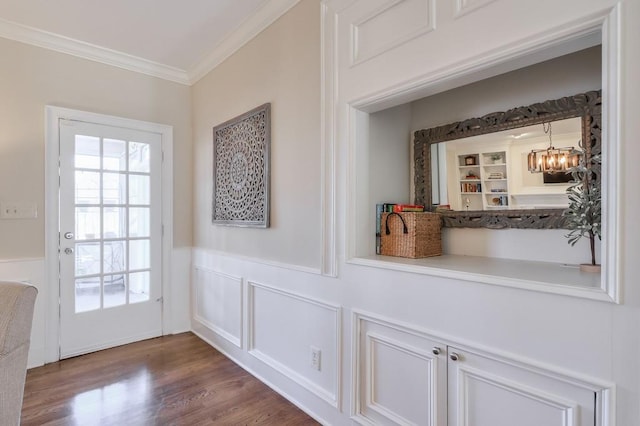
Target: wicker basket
<point>410,234</point>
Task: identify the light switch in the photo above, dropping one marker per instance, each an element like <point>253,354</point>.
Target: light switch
<point>18,210</point>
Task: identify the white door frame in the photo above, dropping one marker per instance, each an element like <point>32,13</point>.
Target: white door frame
<point>53,115</point>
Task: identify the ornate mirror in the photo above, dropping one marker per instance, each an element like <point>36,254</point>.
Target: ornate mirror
<point>479,174</point>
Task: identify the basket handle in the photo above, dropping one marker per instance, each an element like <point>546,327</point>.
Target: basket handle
<point>404,225</point>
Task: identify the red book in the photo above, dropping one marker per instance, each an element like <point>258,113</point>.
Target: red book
<point>399,208</point>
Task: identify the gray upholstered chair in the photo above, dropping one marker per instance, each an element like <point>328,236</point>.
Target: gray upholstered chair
<point>16,315</point>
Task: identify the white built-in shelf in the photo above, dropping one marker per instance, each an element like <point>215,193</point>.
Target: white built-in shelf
<point>537,276</point>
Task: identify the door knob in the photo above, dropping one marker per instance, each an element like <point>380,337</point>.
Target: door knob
<point>454,356</point>
<point>436,350</point>
<point>68,235</point>
<point>68,250</point>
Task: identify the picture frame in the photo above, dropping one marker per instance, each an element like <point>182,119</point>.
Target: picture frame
<point>241,176</point>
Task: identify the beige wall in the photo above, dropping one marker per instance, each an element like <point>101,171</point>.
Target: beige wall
<point>282,66</point>
<point>567,75</point>
<point>31,78</point>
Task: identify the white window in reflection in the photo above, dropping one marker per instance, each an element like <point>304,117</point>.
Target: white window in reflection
<point>114,290</point>
<point>87,223</point>
<point>114,256</point>
<point>139,287</point>
<point>87,257</point>
<point>87,186</point>
<point>139,222</point>
<point>114,189</point>
<point>115,220</point>
<point>87,155</point>
<point>139,160</point>
<point>139,189</point>
<point>115,155</point>
<point>139,255</point>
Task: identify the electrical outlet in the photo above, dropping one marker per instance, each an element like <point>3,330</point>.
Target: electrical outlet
<point>316,355</point>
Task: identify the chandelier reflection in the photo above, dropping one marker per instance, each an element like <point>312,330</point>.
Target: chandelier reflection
<point>552,160</point>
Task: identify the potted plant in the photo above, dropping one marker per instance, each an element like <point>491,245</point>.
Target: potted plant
<point>584,215</point>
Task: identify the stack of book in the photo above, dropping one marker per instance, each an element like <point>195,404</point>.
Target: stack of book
<point>470,187</point>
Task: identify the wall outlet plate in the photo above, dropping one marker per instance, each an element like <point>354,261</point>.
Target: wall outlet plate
<point>316,355</point>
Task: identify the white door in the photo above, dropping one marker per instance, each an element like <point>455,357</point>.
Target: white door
<point>110,236</point>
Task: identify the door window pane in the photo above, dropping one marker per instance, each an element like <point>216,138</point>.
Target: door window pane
<point>87,258</point>
<point>87,187</point>
<point>139,157</point>
<point>139,256</point>
<point>115,220</point>
<point>87,294</point>
<point>87,223</point>
<point>138,189</point>
<point>114,256</point>
<point>87,155</point>
<point>139,287</point>
<point>115,188</point>
<point>114,290</point>
<point>139,222</point>
<point>115,155</point>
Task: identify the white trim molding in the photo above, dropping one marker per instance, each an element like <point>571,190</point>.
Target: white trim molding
<point>328,97</point>
<point>53,115</point>
<point>254,25</point>
<point>405,34</point>
<point>272,263</point>
<point>333,397</point>
<point>197,315</point>
<point>92,52</point>
<point>270,11</point>
<point>604,26</point>
<point>464,7</point>
<point>568,409</point>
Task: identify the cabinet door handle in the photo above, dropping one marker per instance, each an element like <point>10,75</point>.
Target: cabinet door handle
<point>436,350</point>
<point>454,356</point>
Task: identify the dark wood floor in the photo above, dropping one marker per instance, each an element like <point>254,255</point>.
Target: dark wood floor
<point>172,380</point>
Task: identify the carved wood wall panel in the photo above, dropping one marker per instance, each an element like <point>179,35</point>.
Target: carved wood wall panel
<point>241,169</point>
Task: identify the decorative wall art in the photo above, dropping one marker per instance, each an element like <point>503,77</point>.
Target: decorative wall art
<point>241,169</point>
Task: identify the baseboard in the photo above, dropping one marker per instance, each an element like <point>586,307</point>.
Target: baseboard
<point>275,388</point>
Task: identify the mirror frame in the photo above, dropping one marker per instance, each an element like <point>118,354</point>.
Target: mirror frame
<point>587,105</point>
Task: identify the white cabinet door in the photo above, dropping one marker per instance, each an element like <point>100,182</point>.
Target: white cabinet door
<point>487,392</point>
<point>401,377</point>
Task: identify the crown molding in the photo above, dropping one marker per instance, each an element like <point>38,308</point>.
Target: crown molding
<point>58,43</point>
<point>251,27</point>
<point>268,13</point>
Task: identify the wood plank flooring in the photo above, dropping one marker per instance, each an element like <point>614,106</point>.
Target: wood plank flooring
<point>172,380</point>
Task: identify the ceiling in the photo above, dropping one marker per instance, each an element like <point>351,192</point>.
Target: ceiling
<point>176,40</point>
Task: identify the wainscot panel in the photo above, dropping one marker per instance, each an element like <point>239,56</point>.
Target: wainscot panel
<point>286,330</point>
<point>218,303</point>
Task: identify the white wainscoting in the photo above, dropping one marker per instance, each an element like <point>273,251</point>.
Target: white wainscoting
<point>284,326</point>
<point>464,7</point>
<point>31,271</point>
<point>217,303</point>
<point>377,32</point>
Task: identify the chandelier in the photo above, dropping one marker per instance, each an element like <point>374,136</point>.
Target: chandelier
<point>552,160</point>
